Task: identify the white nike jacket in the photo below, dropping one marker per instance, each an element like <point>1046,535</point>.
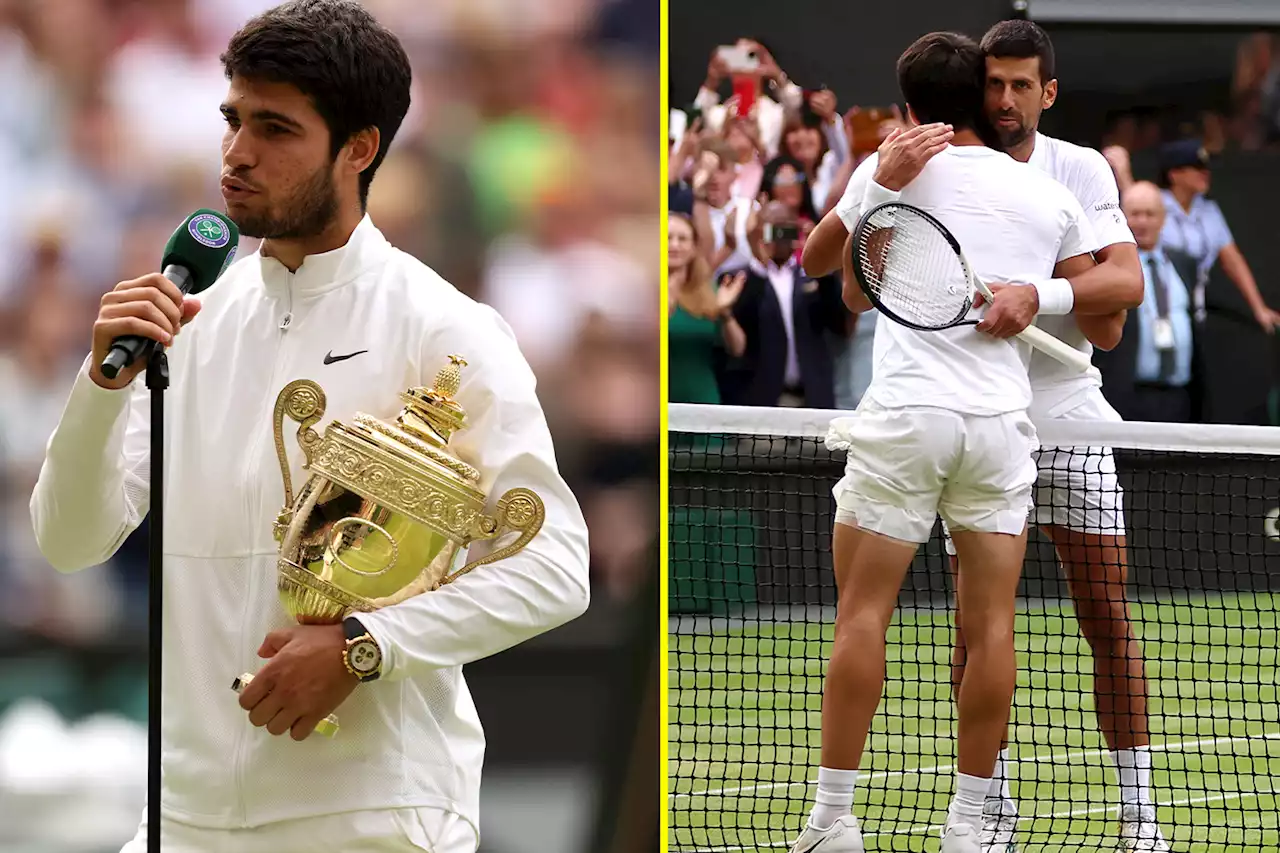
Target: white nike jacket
<point>412,738</point>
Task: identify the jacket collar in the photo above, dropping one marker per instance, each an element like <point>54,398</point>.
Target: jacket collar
<point>320,273</point>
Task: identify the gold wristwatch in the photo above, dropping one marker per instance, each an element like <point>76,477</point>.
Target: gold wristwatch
<point>362,656</point>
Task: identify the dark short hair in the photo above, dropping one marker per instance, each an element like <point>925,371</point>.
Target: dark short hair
<point>942,77</point>
<point>1020,40</point>
<point>770,176</point>
<point>335,52</point>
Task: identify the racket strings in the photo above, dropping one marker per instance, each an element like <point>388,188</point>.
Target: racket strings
<point>911,270</point>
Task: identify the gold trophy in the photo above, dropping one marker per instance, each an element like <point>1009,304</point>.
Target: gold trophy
<point>387,508</point>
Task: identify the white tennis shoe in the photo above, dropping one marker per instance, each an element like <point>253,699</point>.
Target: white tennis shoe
<point>1139,832</point>
<point>843,836</point>
<point>961,838</point>
<point>999,827</point>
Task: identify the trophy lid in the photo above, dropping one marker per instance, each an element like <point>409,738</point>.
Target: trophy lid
<point>432,414</point>
<point>427,422</point>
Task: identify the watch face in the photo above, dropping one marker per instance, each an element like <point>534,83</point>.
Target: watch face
<point>364,656</point>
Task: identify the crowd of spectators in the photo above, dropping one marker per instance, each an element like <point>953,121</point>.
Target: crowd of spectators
<point>524,174</point>
<point>751,175</point>
<point>757,159</point>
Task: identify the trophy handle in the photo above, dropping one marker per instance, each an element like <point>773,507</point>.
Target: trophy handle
<point>519,509</point>
<point>303,401</point>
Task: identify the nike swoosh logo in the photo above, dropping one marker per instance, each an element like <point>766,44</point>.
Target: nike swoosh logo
<point>330,358</point>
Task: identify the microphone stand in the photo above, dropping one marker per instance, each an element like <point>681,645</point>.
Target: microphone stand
<point>157,383</point>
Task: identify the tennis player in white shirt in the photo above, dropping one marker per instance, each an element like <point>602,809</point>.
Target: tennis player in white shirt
<point>1078,498</point>
<point>943,429</point>
<point>317,91</point>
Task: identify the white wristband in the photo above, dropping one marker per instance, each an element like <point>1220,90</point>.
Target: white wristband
<point>872,196</point>
<point>1056,296</point>
<point>876,195</point>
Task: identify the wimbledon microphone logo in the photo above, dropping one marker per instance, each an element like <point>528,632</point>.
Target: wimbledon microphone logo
<point>209,231</point>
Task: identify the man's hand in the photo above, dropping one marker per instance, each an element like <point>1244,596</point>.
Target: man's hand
<point>904,153</point>
<point>823,104</point>
<point>707,163</point>
<point>1267,319</point>
<point>303,683</point>
<point>150,307</point>
<point>1012,310</point>
<point>769,68</point>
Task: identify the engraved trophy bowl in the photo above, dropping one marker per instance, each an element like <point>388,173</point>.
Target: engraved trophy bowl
<point>387,507</point>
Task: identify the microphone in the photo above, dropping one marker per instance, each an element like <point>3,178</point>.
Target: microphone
<point>199,251</point>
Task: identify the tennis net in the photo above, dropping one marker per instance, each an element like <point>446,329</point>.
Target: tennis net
<point>752,602</point>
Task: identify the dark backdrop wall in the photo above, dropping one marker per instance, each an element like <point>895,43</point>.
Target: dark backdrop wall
<point>849,45</point>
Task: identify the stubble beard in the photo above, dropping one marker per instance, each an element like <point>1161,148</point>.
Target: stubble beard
<point>306,214</point>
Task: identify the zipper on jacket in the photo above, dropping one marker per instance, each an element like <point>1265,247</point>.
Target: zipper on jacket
<point>254,475</point>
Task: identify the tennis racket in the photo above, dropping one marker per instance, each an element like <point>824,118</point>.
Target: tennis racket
<point>913,271</point>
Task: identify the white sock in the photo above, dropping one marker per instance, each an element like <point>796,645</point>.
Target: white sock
<point>1133,772</point>
<point>999,791</point>
<point>835,796</point>
<point>971,795</point>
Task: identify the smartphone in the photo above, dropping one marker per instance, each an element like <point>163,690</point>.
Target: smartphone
<point>866,128</point>
<point>778,233</point>
<point>744,87</point>
<point>739,59</point>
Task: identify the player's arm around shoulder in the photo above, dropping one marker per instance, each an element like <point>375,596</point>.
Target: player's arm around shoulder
<point>506,437</point>
<point>1077,258</point>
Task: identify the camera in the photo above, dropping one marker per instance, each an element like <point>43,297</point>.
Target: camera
<point>780,233</point>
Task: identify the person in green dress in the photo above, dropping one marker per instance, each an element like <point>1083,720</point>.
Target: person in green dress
<point>711,565</point>
<point>699,316</point>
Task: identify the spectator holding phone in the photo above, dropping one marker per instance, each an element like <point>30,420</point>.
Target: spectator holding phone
<point>789,321</point>
<point>762,92</point>
<point>700,321</point>
<point>785,181</point>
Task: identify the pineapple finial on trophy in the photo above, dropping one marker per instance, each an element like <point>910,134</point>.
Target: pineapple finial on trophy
<point>432,413</point>
<point>450,378</point>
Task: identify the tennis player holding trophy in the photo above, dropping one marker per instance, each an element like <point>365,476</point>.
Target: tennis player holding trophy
<point>354,601</point>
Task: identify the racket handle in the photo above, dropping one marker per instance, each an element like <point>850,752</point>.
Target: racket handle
<point>1055,348</point>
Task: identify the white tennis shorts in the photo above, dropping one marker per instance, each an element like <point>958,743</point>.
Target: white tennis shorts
<point>908,466</point>
<point>1077,487</point>
<point>383,831</point>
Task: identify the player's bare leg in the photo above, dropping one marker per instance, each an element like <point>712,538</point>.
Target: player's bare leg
<point>1096,568</point>
<point>869,569</point>
<point>985,606</point>
<point>1000,813</point>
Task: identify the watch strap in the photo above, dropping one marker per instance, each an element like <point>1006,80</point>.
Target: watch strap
<point>353,628</point>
